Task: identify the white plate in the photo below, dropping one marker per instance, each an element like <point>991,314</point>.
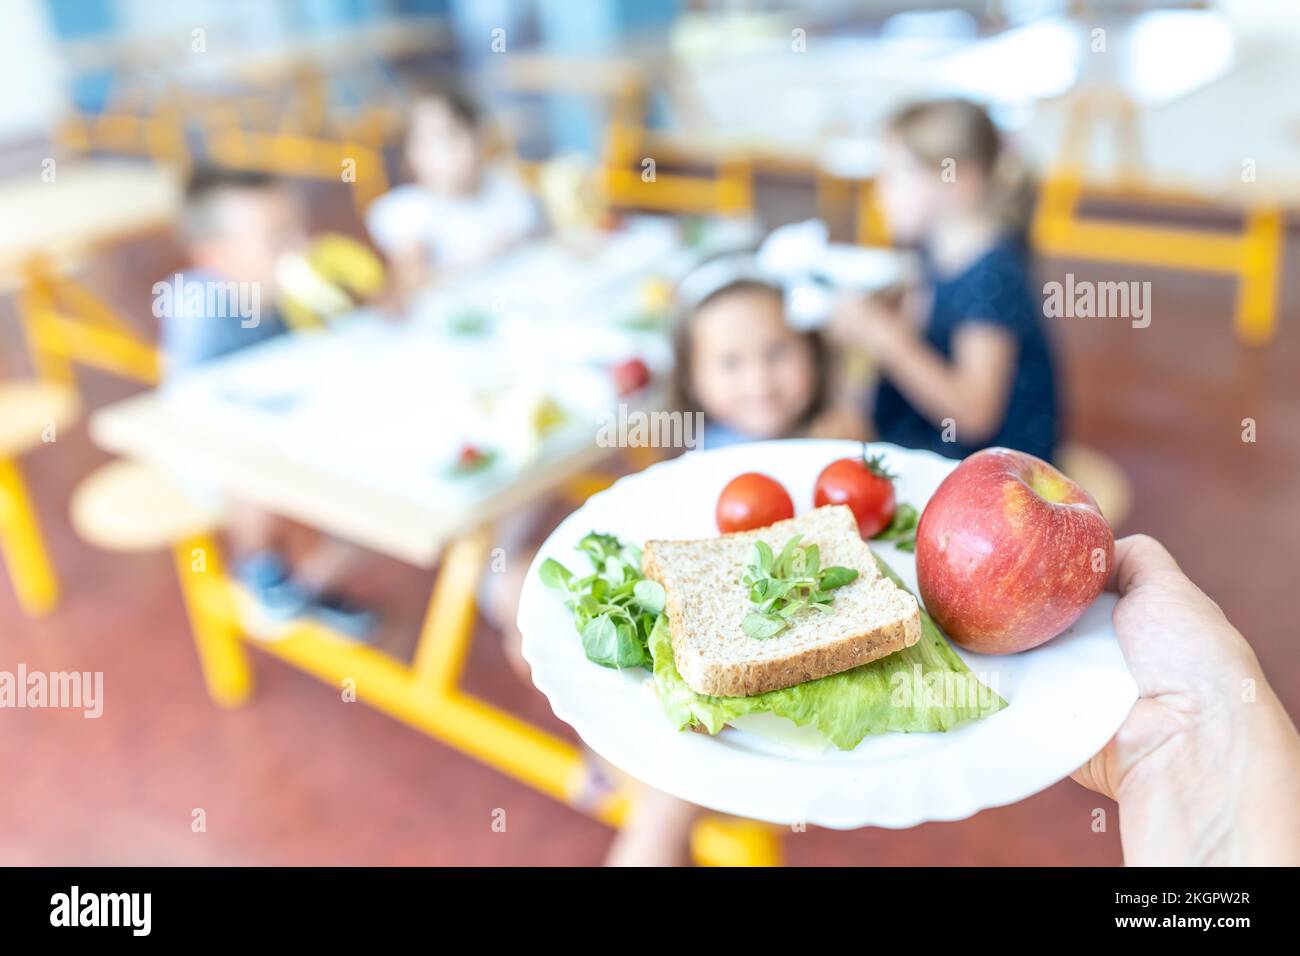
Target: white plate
<point>1065,698</point>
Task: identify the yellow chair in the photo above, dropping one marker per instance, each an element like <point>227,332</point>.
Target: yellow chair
<point>254,129</point>
<point>625,183</point>
<point>360,164</point>
<point>66,325</point>
<point>1254,255</point>
<point>127,507</point>
<point>32,413</point>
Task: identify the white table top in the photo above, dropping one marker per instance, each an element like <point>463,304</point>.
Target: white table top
<point>1208,97</point>
<point>354,431</point>
<point>84,204</point>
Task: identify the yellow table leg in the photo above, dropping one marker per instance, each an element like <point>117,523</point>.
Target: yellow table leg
<point>1258,287</point>
<point>449,622</point>
<point>426,696</point>
<point>24,548</point>
<point>502,740</point>
<point>473,726</point>
<point>729,841</point>
<point>216,630</point>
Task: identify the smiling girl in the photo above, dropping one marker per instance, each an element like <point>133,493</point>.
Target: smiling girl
<point>740,362</point>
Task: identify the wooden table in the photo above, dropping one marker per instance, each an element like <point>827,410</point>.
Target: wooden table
<point>350,431</point>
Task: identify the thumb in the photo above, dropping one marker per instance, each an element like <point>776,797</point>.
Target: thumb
<point>1140,559</point>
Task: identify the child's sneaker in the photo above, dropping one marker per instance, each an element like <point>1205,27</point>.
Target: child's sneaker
<point>272,599</point>
<point>342,616</point>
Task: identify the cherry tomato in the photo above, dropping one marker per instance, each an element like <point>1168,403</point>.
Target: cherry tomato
<point>864,485</point>
<point>752,501</point>
<point>470,460</point>
<point>630,376</point>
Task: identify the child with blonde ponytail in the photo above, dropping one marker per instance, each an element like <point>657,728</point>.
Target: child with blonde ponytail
<point>966,363</point>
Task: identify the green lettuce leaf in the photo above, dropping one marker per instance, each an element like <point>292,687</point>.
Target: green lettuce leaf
<point>923,688</point>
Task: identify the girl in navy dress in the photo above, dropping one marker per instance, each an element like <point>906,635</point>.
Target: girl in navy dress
<point>966,364</point>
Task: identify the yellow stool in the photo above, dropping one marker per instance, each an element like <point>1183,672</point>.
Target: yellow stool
<point>1101,477</point>
<point>31,413</point>
<point>127,507</point>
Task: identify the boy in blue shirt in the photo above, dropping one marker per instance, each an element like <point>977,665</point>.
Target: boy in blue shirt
<point>236,227</point>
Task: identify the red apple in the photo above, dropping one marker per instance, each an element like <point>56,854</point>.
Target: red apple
<point>1009,552</point>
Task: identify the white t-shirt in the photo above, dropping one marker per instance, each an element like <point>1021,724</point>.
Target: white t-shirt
<point>454,230</point>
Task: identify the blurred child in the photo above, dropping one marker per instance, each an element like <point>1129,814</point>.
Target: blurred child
<point>460,210</point>
<point>754,377</point>
<point>236,228</point>
<point>740,362</point>
<point>972,366</point>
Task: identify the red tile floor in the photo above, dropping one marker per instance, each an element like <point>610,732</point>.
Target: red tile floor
<point>301,777</point>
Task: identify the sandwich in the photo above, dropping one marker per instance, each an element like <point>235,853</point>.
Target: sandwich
<point>707,604</point>
<point>798,619</point>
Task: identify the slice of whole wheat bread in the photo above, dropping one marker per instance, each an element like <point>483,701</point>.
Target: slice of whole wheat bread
<point>707,603</point>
